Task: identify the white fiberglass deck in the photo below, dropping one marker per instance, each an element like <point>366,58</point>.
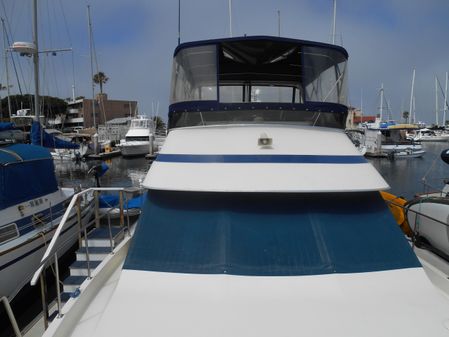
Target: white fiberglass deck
<point>229,158</point>
<point>167,304</point>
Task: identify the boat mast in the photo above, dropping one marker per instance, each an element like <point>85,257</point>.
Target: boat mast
<point>91,64</point>
<point>8,86</point>
<point>411,96</point>
<point>436,101</point>
<point>381,101</point>
<point>36,64</point>
<point>445,102</point>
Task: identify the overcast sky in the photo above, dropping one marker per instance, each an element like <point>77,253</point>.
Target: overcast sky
<point>135,39</point>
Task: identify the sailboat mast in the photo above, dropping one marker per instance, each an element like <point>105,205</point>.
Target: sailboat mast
<point>36,63</point>
<point>8,86</point>
<point>411,95</point>
<point>381,101</point>
<point>436,101</point>
<point>445,101</point>
<point>91,64</point>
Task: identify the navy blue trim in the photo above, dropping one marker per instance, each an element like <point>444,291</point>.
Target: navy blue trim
<point>193,106</point>
<point>275,159</point>
<point>6,265</point>
<point>258,38</point>
<point>24,225</point>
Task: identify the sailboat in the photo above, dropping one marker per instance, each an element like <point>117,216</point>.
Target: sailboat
<point>390,140</point>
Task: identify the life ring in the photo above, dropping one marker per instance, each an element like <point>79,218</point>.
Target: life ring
<point>396,205</point>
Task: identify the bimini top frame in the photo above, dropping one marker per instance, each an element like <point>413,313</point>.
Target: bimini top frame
<point>259,79</point>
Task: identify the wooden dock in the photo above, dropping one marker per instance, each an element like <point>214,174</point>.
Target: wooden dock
<point>105,155</point>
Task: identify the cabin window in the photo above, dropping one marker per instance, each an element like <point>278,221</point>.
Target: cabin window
<point>8,232</point>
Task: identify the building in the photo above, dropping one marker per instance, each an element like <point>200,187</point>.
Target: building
<point>79,112</point>
<point>355,117</point>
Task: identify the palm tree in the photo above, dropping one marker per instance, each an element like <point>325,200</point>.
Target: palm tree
<point>405,115</point>
<point>100,78</point>
<point>159,123</point>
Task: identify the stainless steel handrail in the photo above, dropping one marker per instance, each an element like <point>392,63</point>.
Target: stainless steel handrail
<point>12,319</point>
<point>416,212</point>
<point>48,253</point>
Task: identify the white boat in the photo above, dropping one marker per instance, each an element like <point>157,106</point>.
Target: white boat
<point>138,138</point>
<point>391,142</point>
<point>429,135</point>
<point>428,218</point>
<point>261,217</point>
<point>83,141</point>
<point>31,206</point>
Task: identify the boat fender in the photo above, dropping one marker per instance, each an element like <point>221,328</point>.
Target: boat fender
<point>396,205</point>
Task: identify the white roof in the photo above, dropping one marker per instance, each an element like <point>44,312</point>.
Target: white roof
<point>287,173</point>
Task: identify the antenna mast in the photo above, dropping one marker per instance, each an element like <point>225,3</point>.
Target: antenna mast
<point>179,22</point>
<point>230,17</point>
<point>334,22</point>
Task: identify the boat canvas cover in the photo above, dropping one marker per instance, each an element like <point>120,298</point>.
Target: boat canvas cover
<point>26,172</point>
<point>6,126</point>
<point>267,234</point>
<point>49,140</point>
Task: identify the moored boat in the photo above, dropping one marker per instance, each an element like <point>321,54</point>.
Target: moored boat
<point>31,206</point>
<point>138,139</point>
<point>261,218</point>
<point>392,142</point>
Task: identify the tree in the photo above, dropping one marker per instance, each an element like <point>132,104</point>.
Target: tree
<point>160,124</point>
<point>405,115</point>
<point>100,78</point>
<point>50,106</point>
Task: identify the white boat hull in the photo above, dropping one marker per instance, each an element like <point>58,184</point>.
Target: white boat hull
<point>19,261</point>
<point>135,148</point>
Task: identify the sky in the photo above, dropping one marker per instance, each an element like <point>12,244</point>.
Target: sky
<point>135,39</point>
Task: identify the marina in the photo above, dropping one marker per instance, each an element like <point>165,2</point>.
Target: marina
<point>261,202</point>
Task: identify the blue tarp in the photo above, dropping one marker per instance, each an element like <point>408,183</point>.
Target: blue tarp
<point>110,200</point>
<point>49,140</point>
<point>6,126</point>
<point>26,172</point>
<point>267,234</point>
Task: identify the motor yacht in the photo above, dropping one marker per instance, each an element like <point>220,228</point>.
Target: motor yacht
<point>261,218</point>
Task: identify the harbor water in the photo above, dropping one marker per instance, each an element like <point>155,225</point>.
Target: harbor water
<point>406,177</point>
<point>409,176</point>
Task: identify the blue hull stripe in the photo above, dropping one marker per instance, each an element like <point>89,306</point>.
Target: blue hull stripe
<point>275,159</point>
<point>6,265</point>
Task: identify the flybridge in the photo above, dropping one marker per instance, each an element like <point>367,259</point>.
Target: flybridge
<point>258,79</point>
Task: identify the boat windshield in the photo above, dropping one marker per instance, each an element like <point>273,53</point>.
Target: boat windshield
<point>267,234</point>
<point>137,138</point>
<point>140,123</point>
<point>227,81</point>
